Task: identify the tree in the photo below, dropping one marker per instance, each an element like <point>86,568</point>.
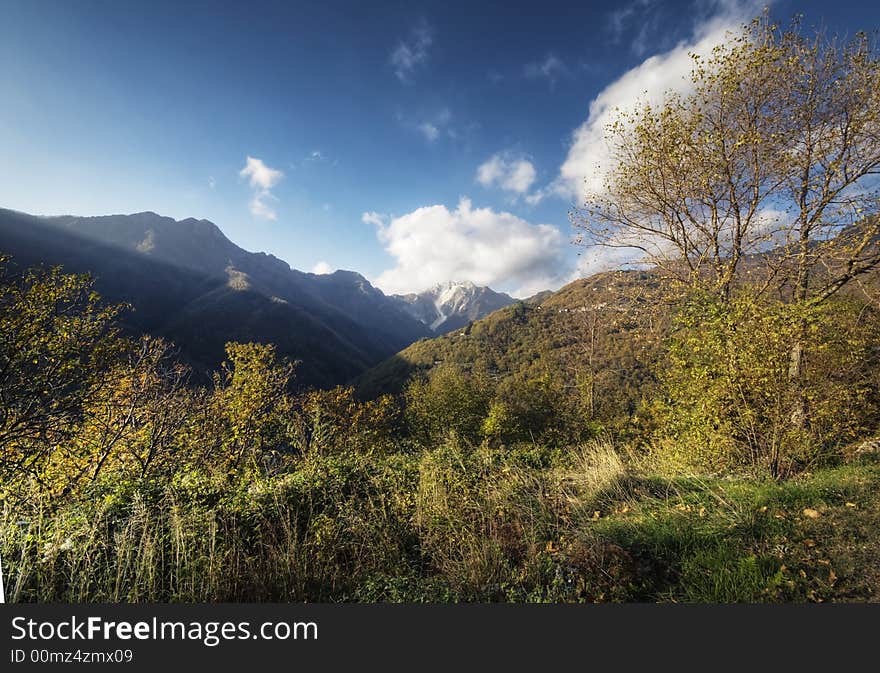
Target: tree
<point>336,420</point>
<point>135,422</point>
<point>726,398</point>
<point>691,179</point>
<point>57,340</point>
<point>771,160</point>
<point>830,116</point>
<point>252,404</point>
<point>447,399</point>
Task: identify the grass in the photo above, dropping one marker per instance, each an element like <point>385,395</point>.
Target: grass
<point>460,524</point>
<point>814,538</point>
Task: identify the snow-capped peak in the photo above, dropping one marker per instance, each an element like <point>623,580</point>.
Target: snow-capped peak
<point>453,304</point>
<point>451,284</point>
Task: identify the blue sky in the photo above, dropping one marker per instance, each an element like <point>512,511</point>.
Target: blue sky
<point>414,142</point>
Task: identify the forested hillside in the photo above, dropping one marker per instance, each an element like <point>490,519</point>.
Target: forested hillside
<point>703,429</point>
<point>596,340</point>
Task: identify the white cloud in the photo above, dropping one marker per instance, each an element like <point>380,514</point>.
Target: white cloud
<point>431,125</point>
<point>582,171</point>
<point>374,218</point>
<point>260,175</point>
<point>597,259</point>
<point>641,14</point>
<point>322,268</point>
<point>491,171</point>
<point>429,130</point>
<point>412,52</point>
<point>261,179</point>
<point>551,69</point>
<point>211,182</point>
<point>506,172</point>
<point>259,208</point>
<point>536,197</point>
<point>520,177</point>
<point>434,244</point>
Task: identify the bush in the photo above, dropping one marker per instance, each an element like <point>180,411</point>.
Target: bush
<point>728,397</point>
<point>447,400</point>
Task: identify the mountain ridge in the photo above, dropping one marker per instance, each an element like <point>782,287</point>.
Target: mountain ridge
<point>451,305</point>
<point>188,282</point>
<point>538,337</point>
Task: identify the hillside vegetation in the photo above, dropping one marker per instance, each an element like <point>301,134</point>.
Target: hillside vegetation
<point>705,431</point>
<point>597,338</point>
<point>122,481</point>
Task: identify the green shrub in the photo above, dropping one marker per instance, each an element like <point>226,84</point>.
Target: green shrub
<point>727,393</point>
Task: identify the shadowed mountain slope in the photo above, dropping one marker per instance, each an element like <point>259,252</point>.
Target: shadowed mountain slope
<point>186,281</point>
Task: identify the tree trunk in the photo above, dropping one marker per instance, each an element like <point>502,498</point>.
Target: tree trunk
<point>799,411</point>
<point>795,379</point>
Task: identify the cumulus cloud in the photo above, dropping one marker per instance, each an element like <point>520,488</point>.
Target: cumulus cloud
<point>434,244</point>
<point>412,52</point>
<point>582,171</point>
<point>375,219</point>
<point>537,196</point>
<point>510,174</point>
<point>322,268</point>
<point>261,179</point>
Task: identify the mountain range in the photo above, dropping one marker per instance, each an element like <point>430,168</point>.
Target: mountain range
<point>599,335</point>
<point>450,306</point>
<point>186,281</point>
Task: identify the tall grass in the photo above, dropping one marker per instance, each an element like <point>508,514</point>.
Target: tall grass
<point>455,523</point>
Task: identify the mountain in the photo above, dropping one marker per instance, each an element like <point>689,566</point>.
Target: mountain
<point>450,306</point>
<point>188,282</point>
<point>604,332</point>
<point>601,334</point>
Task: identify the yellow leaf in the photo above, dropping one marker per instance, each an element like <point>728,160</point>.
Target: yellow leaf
<point>811,513</point>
